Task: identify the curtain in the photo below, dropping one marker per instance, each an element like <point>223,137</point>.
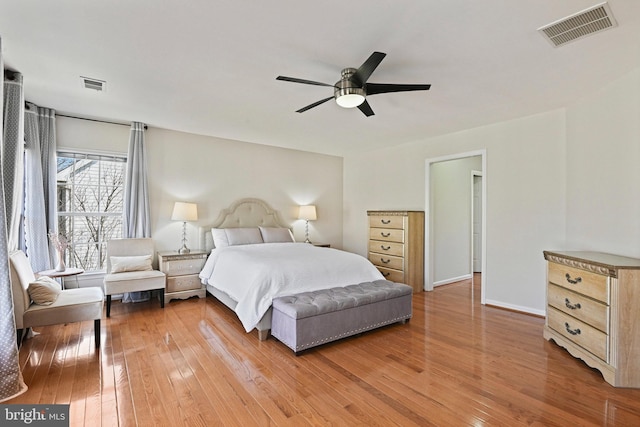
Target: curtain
<point>11,382</point>
<point>40,185</point>
<point>13,154</point>
<point>136,221</point>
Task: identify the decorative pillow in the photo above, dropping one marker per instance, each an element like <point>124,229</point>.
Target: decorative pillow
<point>276,235</point>
<point>243,236</point>
<point>121,264</point>
<point>219,237</point>
<point>44,291</point>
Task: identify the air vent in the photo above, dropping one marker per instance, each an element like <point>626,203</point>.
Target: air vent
<point>95,84</point>
<point>590,21</point>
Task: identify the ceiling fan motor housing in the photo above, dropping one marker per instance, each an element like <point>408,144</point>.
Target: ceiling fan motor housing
<point>347,93</point>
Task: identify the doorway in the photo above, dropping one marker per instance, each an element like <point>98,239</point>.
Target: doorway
<point>451,229</point>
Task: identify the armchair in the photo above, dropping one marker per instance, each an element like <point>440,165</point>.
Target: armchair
<point>71,305</point>
<point>129,269</point>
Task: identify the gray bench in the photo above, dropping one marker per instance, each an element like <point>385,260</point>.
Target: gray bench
<point>309,319</point>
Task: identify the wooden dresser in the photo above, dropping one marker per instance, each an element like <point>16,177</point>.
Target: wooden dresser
<point>396,246</point>
<point>593,311</point>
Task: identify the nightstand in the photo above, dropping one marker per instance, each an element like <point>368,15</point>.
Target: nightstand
<point>182,274</point>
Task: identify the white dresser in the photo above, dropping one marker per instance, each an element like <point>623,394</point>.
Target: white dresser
<point>593,311</point>
<point>396,246</point>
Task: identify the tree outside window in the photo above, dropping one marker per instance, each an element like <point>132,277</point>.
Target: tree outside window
<point>90,190</point>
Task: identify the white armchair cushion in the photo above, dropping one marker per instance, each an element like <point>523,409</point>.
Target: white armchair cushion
<point>121,264</point>
<point>44,290</point>
<point>72,305</point>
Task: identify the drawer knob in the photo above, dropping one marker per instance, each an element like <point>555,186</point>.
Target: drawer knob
<point>385,234</point>
<point>573,281</point>
<point>385,248</point>
<point>571,306</point>
<point>385,273</point>
<point>385,221</point>
<point>385,261</point>
<point>571,331</point>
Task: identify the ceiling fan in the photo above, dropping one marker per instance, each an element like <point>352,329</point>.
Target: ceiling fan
<point>352,88</point>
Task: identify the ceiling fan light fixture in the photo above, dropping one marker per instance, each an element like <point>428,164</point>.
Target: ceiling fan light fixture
<point>349,97</point>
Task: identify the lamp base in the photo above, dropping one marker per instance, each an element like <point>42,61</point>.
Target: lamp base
<point>184,250</point>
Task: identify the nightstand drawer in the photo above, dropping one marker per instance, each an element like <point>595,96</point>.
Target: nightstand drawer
<point>183,283</point>
<point>387,248</point>
<point>584,282</point>
<point>388,261</point>
<point>392,275</point>
<point>183,266</point>
<point>585,336</point>
<point>386,221</point>
<point>386,234</point>
<point>582,308</point>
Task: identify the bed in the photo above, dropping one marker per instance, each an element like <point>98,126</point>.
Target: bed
<point>259,262</point>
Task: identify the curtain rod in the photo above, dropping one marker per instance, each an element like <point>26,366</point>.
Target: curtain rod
<point>96,120</point>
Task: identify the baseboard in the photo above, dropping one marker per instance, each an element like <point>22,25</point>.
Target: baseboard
<point>518,308</point>
<point>452,280</point>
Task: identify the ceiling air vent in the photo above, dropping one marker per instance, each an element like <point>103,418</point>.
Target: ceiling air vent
<point>95,84</point>
<point>589,21</point>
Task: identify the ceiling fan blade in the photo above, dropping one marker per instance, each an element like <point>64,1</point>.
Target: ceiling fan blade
<point>364,72</point>
<point>366,108</point>
<point>315,104</point>
<point>376,88</point>
<point>306,82</point>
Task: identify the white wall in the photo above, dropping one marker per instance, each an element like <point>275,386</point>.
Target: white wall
<point>525,179</point>
<point>450,191</point>
<point>214,172</point>
<point>603,160</point>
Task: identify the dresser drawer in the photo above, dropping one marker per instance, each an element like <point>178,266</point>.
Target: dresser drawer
<point>183,283</point>
<point>386,221</point>
<point>392,275</point>
<point>388,248</point>
<point>386,234</point>
<point>585,336</point>
<point>584,282</point>
<point>183,266</point>
<point>389,261</point>
<point>577,305</point>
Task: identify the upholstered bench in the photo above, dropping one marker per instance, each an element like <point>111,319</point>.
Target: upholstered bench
<point>309,319</point>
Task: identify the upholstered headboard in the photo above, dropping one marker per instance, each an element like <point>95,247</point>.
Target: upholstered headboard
<point>242,213</point>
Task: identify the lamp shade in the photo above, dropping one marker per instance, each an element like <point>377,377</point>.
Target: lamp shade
<point>185,212</point>
<point>308,213</point>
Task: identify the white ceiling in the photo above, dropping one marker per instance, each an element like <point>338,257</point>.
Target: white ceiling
<point>209,67</point>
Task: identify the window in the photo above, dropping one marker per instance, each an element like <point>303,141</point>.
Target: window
<point>90,190</point>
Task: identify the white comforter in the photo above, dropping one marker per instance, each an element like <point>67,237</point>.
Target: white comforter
<point>253,275</point>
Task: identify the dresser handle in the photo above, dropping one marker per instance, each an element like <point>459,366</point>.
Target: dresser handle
<point>573,281</point>
<point>385,221</point>
<point>385,248</point>
<point>385,234</point>
<point>571,331</point>
<point>385,273</point>
<point>385,261</point>
<point>571,306</point>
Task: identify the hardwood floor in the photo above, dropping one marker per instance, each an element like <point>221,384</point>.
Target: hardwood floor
<point>456,363</point>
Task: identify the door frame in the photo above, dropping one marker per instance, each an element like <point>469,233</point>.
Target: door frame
<point>474,174</point>
<point>428,229</point>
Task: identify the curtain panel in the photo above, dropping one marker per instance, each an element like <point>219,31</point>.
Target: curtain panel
<point>11,382</point>
<point>136,221</point>
<point>40,185</point>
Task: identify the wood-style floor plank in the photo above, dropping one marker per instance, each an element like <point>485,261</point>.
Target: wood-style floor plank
<point>455,363</point>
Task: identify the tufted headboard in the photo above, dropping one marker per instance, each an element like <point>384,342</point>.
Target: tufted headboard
<point>247,212</point>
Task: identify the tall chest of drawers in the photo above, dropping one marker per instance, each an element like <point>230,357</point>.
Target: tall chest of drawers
<point>396,246</point>
<point>593,311</point>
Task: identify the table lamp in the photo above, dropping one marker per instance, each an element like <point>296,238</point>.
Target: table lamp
<point>184,212</point>
<point>308,213</point>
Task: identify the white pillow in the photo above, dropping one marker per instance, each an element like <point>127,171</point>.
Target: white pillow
<point>219,237</point>
<point>276,235</point>
<point>121,264</point>
<point>44,291</point>
<point>243,236</point>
